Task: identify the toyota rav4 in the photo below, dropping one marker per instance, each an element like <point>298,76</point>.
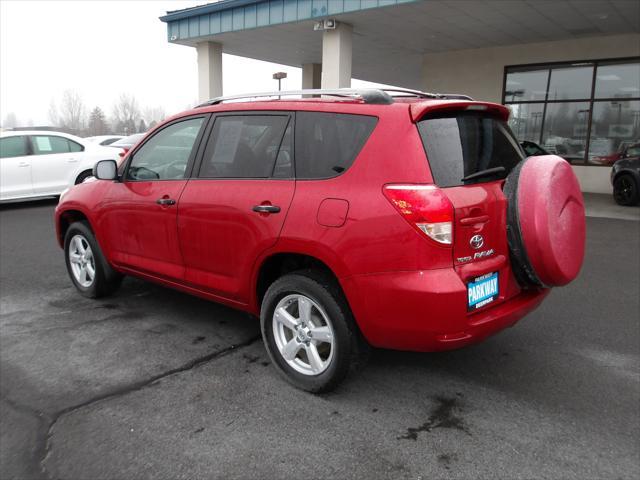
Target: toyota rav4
<point>344,220</point>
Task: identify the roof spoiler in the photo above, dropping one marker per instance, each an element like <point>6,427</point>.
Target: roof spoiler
<point>419,110</point>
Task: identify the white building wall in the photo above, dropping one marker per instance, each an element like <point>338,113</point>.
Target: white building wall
<point>480,74</point>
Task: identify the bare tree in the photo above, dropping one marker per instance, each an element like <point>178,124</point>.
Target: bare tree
<point>153,115</point>
<point>72,111</point>
<point>126,113</point>
<point>10,121</point>
<point>53,112</point>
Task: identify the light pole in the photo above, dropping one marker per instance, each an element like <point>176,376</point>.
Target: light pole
<point>279,76</point>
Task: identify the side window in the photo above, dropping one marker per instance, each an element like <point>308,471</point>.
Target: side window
<point>326,144</point>
<point>75,147</point>
<point>49,144</point>
<point>244,146</point>
<point>13,147</point>
<point>284,161</point>
<point>165,155</point>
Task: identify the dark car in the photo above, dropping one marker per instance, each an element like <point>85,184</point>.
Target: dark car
<point>532,149</point>
<point>625,177</point>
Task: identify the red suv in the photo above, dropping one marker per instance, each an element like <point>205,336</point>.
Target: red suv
<point>344,220</point>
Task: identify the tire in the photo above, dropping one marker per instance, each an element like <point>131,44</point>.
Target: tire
<point>546,226</point>
<point>520,264</point>
<point>82,254</point>
<point>341,348</point>
<point>83,176</point>
<point>625,190</point>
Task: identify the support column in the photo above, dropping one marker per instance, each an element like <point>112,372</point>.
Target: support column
<point>311,75</point>
<point>209,70</point>
<point>336,56</point>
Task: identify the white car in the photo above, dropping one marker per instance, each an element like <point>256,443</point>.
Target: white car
<point>103,139</point>
<point>42,164</point>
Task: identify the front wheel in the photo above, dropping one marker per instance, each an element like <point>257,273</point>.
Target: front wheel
<point>88,269</point>
<point>309,332</point>
<point>625,190</point>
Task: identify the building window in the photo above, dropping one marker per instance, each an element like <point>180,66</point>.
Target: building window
<point>587,112</point>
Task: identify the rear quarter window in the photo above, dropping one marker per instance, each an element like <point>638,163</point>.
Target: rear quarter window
<point>462,143</point>
<point>326,144</point>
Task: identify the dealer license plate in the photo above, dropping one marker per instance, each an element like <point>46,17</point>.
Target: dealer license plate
<point>482,290</point>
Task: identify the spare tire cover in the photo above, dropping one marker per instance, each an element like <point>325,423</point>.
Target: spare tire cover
<point>545,221</point>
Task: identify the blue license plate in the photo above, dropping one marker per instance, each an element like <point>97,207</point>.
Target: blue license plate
<point>482,290</point>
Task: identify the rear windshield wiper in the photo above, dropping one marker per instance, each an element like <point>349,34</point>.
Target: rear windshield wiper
<point>484,173</point>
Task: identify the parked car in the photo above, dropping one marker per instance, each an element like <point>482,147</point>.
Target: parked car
<point>42,163</point>
<point>532,148</point>
<point>125,143</point>
<point>625,150</point>
<point>625,177</point>
<point>411,224</point>
<point>104,140</point>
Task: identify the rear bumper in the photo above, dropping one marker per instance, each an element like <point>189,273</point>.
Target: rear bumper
<point>427,310</point>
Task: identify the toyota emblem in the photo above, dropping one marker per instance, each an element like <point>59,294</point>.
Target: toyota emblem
<point>476,241</point>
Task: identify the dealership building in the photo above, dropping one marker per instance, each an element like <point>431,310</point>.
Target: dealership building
<point>568,70</point>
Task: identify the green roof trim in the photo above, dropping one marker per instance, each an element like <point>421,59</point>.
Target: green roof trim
<point>237,15</point>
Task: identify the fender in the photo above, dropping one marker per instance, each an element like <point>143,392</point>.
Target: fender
<point>300,247</point>
<point>73,200</point>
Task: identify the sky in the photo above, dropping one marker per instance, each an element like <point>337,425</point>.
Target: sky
<point>102,49</point>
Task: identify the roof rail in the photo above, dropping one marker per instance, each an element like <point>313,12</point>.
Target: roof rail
<point>417,93</point>
<point>375,96</point>
<point>372,96</point>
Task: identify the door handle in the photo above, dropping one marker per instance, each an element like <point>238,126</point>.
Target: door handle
<point>72,160</point>
<point>166,201</point>
<point>266,209</point>
<point>23,164</point>
<point>474,220</point>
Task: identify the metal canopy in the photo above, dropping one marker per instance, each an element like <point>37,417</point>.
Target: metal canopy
<point>390,36</point>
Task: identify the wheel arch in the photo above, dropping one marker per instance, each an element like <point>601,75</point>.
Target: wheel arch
<point>81,172</point>
<point>65,219</point>
<point>278,264</point>
<point>628,171</point>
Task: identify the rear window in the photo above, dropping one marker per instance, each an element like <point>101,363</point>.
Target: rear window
<point>326,144</point>
<point>463,143</point>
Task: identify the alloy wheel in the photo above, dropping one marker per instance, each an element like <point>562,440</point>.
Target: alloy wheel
<point>82,261</point>
<point>303,334</point>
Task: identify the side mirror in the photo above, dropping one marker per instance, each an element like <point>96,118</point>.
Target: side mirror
<point>106,170</point>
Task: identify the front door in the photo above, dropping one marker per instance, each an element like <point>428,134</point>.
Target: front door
<point>235,207</point>
<point>140,212</point>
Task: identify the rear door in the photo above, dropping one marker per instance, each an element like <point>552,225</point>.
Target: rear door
<point>54,159</point>
<point>470,153</point>
<point>15,167</point>
<point>235,207</point>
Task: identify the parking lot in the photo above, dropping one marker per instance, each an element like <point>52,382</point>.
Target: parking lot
<point>151,383</point>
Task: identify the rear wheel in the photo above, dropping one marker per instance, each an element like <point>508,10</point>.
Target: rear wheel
<point>625,190</point>
<point>83,176</point>
<point>88,269</point>
<point>309,332</point>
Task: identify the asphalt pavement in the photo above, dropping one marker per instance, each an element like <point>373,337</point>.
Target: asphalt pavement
<point>152,383</point>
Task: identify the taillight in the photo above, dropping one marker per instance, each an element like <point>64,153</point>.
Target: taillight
<point>426,208</point>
